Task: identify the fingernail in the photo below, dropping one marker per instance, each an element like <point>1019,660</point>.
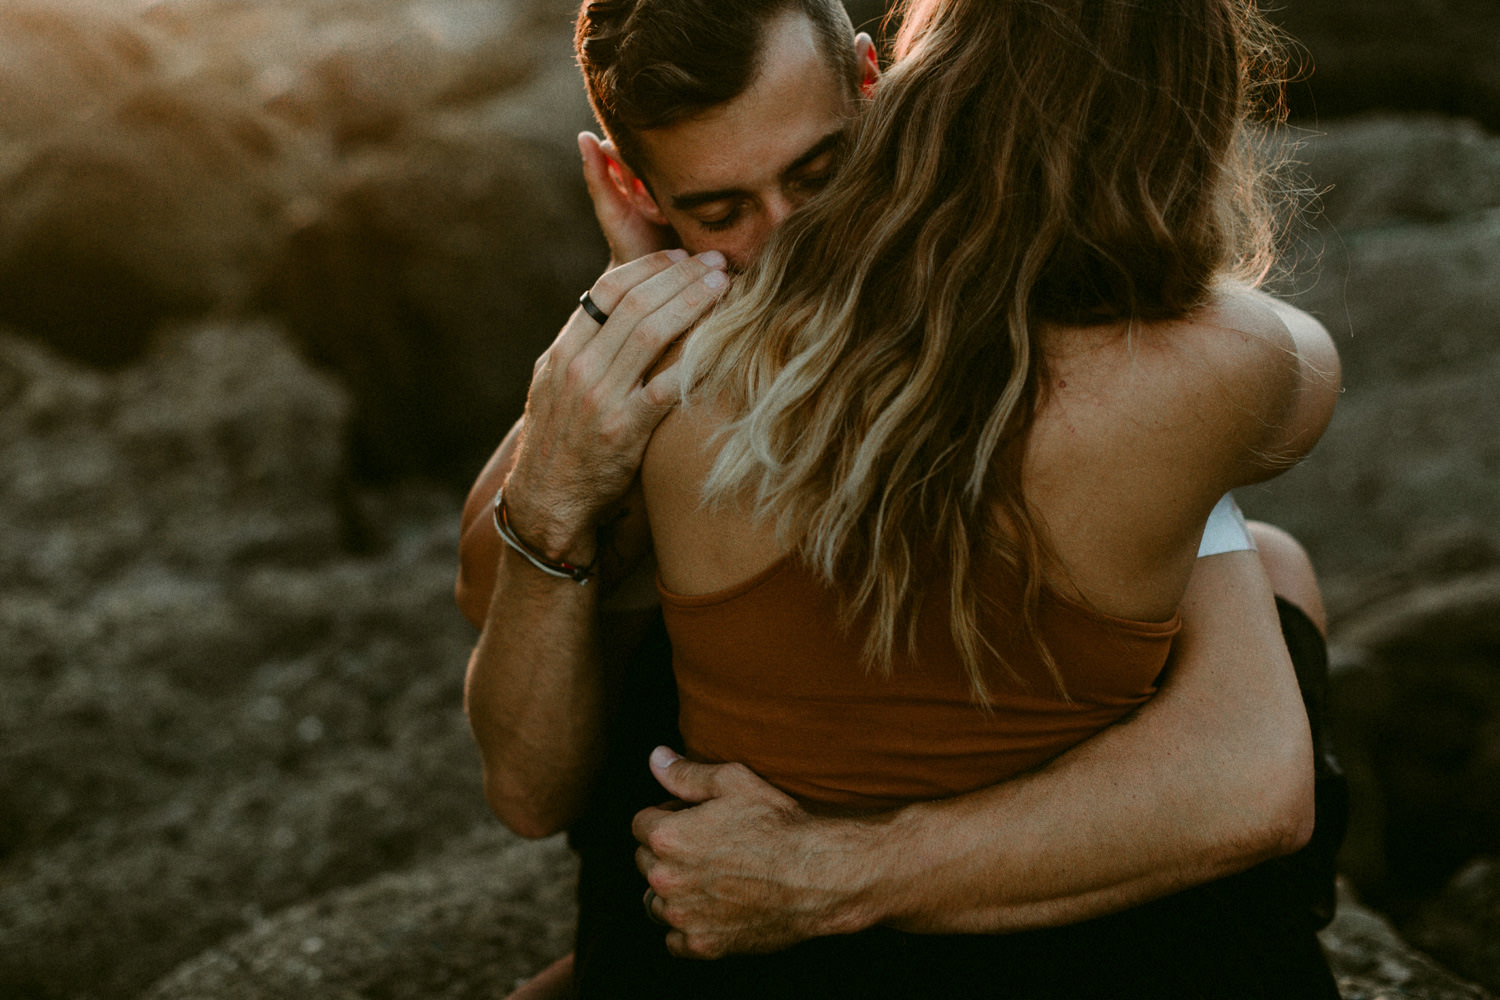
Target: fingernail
<point>716,279</point>
<point>677,255</point>
<point>663,758</point>
<point>712,258</point>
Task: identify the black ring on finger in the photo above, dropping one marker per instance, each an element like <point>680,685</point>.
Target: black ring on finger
<point>595,313</point>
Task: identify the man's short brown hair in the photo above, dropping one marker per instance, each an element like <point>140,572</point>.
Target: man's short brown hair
<point>649,64</point>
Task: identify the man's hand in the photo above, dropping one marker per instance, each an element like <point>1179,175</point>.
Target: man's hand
<point>597,394</point>
<point>737,866</point>
<point>629,234</point>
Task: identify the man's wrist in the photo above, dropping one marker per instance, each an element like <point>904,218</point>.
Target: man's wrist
<point>548,530</point>
<point>869,852</point>
<point>893,862</point>
<point>579,574</point>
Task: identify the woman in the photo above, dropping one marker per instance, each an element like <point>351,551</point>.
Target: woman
<point>1033,362</point>
<point>955,437</point>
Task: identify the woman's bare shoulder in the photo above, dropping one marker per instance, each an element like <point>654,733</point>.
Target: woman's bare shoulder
<point>1142,427</point>
<point>678,459</point>
<point>1206,377</point>
<point>700,549</point>
<point>1245,382</point>
<point>1267,372</point>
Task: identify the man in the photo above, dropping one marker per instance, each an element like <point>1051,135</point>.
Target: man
<point>723,117</point>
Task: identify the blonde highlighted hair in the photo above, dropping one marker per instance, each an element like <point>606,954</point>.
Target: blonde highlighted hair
<point>1023,162</point>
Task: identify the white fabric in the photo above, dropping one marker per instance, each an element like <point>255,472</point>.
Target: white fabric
<point>1225,530</point>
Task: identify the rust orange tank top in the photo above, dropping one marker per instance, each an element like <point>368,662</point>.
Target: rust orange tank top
<point>767,678</point>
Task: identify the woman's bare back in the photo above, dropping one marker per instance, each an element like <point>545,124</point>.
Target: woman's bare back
<point>1139,431</point>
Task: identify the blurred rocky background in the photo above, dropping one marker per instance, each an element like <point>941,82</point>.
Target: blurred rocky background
<point>272,276</point>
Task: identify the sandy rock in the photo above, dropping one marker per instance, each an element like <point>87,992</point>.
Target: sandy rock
<point>134,185</point>
<point>448,254</point>
<point>472,922</point>
<point>435,275</point>
<point>400,181</point>
<point>85,51</point>
<point>214,709</point>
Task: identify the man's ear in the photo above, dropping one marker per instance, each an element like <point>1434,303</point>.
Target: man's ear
<point>868,62</point>
<point>631,187</point>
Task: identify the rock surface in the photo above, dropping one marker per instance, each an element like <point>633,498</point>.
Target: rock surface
<point>213,707</point>
<point>398,181</point>
<point>254,250</point>
<point>1438,55</point>
<point>1415,708</point>
<point>1401,267</point>
<point>472,922</point>
<point>1371,961</point>
<point>1462,925</point>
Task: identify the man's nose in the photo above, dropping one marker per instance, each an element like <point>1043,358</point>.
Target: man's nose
<point>773,212</point>
<point>778,206</point>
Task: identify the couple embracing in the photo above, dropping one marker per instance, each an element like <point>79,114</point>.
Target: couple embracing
<point>873,511</point>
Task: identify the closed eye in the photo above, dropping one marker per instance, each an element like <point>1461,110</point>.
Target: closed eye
<point>812,183</point>
<point>813,176</point>
<point>720,223</point>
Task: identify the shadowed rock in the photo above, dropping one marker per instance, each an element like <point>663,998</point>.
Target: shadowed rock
<point>1404,283</point>
<point>1371,961</point>
<point>1462,925</point>
<point>1439,55</point>
<point>213,709</point>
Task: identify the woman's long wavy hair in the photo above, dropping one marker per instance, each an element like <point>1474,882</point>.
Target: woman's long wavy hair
<point>1023,162</point>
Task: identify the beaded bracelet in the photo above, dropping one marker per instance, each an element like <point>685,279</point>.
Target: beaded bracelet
<point>561,570</point>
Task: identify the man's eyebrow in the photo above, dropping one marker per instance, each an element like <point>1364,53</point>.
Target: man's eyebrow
<point>694,199</point>
<point>832,140</point>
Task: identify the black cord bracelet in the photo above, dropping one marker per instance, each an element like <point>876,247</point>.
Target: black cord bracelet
<point>580,575</point>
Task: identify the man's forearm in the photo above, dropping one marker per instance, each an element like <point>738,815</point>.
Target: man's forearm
<point>1210,777</point>
<point>533,691</point>
<point>535,684</point>
<point>534,696</point>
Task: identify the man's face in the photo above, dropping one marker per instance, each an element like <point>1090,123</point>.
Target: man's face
<point>725,179</point>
